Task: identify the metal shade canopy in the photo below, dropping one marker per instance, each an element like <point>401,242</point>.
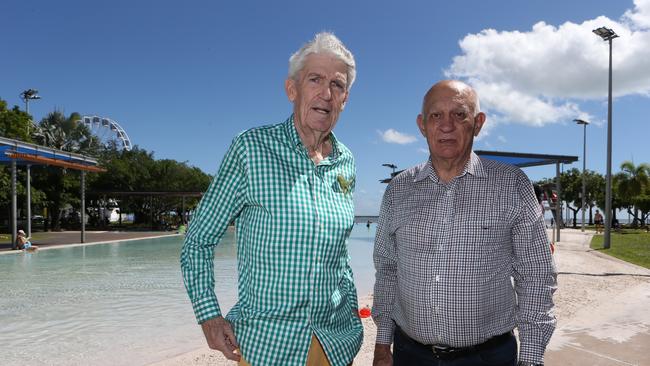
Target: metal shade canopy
<point>15,152</point>
<point>523,160</point>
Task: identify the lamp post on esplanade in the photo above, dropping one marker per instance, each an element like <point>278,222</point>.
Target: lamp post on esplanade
<point>584,165</point>
<point>26,96</point>
<point>608,35</point>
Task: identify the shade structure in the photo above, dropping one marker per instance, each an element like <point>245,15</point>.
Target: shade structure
<point>24,153</point>
<point>15,153</point>
<point>524,160</point>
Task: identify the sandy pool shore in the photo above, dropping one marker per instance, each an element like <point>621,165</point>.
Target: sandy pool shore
<point>588,283</point>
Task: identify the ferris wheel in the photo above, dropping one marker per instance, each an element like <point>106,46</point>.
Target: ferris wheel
<point>107,131</point>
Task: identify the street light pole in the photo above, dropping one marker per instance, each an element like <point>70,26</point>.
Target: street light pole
<point>26,96</point>
<point>392,175</point>
<point>608,35</point>
<point>584,166</point>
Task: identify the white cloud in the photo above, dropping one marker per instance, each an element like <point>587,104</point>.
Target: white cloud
<point>640,16</point>
<point>423,150</point>
<point>538,77</point>
<point>502,139</point>
<point>395,137</point>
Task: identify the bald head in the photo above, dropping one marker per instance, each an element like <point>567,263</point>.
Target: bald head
<point>465,94</point>
<point>450,120</point>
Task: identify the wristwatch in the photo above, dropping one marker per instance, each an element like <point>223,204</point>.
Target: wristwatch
<point>526,363</point>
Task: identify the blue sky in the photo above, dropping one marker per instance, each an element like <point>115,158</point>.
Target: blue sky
<point>183,78</point>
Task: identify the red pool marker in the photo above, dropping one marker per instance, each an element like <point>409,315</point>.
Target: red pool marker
<point>364,313</point>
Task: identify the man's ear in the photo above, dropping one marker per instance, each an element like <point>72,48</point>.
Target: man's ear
<point>345,99</point>
<point>290,89</point>
<point>420,121</point>
<point>479,120</point>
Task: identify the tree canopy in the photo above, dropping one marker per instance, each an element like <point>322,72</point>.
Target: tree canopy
<point>128,171</point>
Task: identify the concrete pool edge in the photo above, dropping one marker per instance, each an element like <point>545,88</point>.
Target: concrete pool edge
<point>70,245</point>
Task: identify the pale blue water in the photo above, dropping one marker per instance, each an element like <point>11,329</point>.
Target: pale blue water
<point>121,303</point>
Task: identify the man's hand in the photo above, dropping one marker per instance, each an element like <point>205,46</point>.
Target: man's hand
<point>383,356</point>
<point>220,336</point>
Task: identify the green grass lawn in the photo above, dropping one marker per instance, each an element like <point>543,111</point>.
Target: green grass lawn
<point>629,245</point>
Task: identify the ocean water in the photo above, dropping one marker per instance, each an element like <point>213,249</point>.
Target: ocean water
<point>120,303</point>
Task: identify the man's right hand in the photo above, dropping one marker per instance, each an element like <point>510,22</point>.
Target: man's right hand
<point>220,336</point>
<point>383,356</point>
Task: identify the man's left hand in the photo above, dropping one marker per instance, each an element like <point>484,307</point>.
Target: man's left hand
<point>221,337</point>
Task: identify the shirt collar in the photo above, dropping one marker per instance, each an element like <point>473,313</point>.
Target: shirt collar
<point>474,167</point>
<point>292,134</point>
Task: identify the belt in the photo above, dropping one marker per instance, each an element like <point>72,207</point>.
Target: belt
<point>447,352</point>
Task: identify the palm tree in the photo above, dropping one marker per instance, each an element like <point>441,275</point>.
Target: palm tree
<point>59,132</point>
<point>632,182</point>
<point>62,133</point>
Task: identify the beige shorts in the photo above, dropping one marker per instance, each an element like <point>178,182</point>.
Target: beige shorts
<point>315,357</point>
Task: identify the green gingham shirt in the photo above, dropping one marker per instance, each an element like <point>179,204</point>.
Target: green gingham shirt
<point>292,220</point>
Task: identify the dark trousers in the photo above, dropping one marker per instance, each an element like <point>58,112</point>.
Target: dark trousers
<point>408,352</point>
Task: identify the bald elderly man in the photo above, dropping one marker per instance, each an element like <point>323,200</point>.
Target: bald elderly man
<point>453,233</point>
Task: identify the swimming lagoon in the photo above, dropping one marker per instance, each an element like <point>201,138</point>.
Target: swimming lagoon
<point>120,303</point>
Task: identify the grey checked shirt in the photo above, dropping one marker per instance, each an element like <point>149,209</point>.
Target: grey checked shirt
<point>445,254</point>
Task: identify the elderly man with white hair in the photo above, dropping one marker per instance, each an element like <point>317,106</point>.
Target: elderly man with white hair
<point>288,188</point>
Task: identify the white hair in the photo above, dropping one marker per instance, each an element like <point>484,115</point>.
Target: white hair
<point>477,104</point>
<point>323,42</point>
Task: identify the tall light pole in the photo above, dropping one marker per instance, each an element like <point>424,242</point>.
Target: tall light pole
<point>607,35</point>
<point>584,165</point>
<point>392,175</point>
<point>390,165</point>
<point>26,96</point>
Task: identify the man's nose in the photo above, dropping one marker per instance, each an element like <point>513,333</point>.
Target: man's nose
<point>326,91</point>
<point>446,123</point>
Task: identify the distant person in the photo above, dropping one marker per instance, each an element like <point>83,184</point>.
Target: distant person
<point>453,232</point>
<point>368,224</point>
<point>539,193</point>
<point>616,225</point>
<point>23,243</point>
<point>598,221</point>
<point>288,187</point>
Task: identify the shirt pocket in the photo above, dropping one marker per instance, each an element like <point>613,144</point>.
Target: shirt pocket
<point>416,233</point>
<point>485,232</point>
<point>486,243</point>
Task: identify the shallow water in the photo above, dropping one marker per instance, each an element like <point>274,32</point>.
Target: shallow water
<point>121,303</point>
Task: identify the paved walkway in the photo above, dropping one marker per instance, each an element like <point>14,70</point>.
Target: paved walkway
<point>603,307</point>
<point>50,239</point>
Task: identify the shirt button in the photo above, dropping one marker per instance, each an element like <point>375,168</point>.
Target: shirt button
<point>449,193</point>
<point>437,278</point>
